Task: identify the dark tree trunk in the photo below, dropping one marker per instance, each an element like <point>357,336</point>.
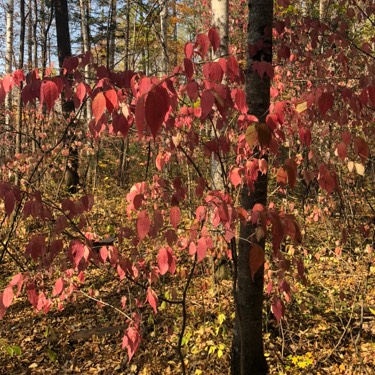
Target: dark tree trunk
<point>64,50</point>
<point>247,354</point>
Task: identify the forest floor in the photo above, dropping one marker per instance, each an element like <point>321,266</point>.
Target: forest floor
<point>329,326</point>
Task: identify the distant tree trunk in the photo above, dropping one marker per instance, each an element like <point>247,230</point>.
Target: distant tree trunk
<point>35,28</point>
<point>30,36</point>
<point>111,35</point>
<point>64,51</point>
<point>175,33</point>
<point>9,55</point>
<point>248,354</point>
<point>164,35</point>
<point>20,66</point>
<point>220,20</point>
<point>85,30</point>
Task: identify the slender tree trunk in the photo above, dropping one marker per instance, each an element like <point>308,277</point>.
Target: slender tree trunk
<point>248,355</point>
<point>64,51</point>
<point>220,20</point>
<point>175,33</point>
<point>164,35</point>
<point>35,28</point>
<point>30,36</point>
<point>9,55</point>
<point>111,34</point>
<point>20,66</point>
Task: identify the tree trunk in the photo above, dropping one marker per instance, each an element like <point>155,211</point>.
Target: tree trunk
<point>220,20</point>
<point>64,51</point>
<point>20,66</point>
<point>9,55</point>
<point>248,355</point>
<point>164,35</point>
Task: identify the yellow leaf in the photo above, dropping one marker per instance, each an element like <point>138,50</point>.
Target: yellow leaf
<point>300,107</point>
<point>360,168</point>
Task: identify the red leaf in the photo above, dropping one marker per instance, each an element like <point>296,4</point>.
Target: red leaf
<point>81,92</point>
<point>201,249</point>
<point>163,261</point>
<point>346,136</point>
<point>203,44</point>
<point>189,68</point>
<point>36,247</point>
<point>8,296</point>
<point>87,201</point>
<point>98,106</point>
<point>200,213</point>
<point>131,341</point>
<point>78,251</point>
<point>59,286</point>
<point>361,148</point>
<point>291,168</point>
<point>189,49</point>
<point>282,176</point>
<point>213,71</point>
<point>16,279</point>
<point>156,108</point>
<point>192,90</point>
<point>49,93</point>
<point>18,77</point>
<point>325,102</point>
<point>70,64</point>
<point>214,37</point>
<point>235,176</point>
<point>103,252</point>
<point>256,259</point>
<point>143,224</point>
<point>2,307</point>
<point>239,98</point>
<point>9,202</point>
<point>111,100</point>
<point>152,299</point>
<point>342,150</point>
<point>8,83</point>
<point>175,216</point>
<point>233,67</point>
<point>207,101</point>
<point>278,308</point>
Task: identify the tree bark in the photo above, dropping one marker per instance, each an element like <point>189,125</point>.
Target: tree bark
<point>247,354</point>
<point>64,51</point>
<point>164,35</point>
<point>220,20</point>
<point>9,55</point>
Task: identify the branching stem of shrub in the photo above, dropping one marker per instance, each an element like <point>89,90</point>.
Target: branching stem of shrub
<point>184,316</point>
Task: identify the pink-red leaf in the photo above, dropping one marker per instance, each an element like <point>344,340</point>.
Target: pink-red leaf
<point>325,102</point>
<point>8,296</point>
<point>201,249</point>
<point>98,106</point>
<point>207,101</point>
<point>156,108</point>
<point>49,93</point>
<point>143,224</point>
<point>175,216</point>
<point>59,286</point>
<point>214,37</point>
<point>152,299</point>
<point>131,341</point>
<point>163,261</point>
<point>188,68</point>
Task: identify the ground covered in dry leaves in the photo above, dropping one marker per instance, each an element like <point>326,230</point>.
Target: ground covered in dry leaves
<point>329,327</point>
